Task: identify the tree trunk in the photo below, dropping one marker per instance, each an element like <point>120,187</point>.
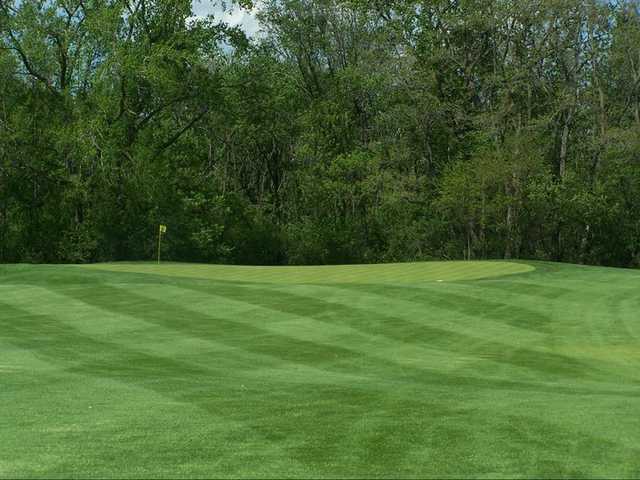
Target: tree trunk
<point>507,251</point>
<point>584,244</point>
<point>483,223</point>
<point>511,187</point>
<point>564,144</point>
<point>603,112</point>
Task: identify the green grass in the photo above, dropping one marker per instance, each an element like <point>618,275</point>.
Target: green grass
<point>420,370</point>
<point>388,273</point>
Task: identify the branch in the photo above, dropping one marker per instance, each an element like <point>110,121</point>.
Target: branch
<point>27,64</point>
<point>141,124</point>
<point>174,138</point>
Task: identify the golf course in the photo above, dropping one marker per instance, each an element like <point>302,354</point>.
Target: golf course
<point>430,370</point>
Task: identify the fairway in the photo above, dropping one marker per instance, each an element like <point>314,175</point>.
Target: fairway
<point>443,369</point>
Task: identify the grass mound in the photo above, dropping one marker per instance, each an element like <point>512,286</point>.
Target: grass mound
<point>384,273</point>
<point>502,369</point>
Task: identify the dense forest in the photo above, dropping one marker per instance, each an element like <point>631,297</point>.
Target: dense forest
<point>345,131</point>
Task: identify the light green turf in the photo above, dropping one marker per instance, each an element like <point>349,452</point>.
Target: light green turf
<point>519,370</point>
<point>388,273</point>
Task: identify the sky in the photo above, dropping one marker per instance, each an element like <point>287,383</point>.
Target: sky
<point>233,16</point>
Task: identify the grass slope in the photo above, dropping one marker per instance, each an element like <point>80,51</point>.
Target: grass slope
<point>501,369</point>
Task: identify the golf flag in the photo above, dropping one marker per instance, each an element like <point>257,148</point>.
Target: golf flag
<point>161,230</point>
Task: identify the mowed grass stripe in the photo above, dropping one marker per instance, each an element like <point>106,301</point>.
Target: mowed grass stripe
<point>123,355</point>
<point>256,337</point>
<point>469,349</point>
<point>410,331</point>
<point>83,357</point>
<point>331,357</point>
<point>115,327</point>
<point>324,321</point>
<point>464,346</point>
<point>218,323</point>
<point>121,361</point>
<point>400,340</point>
<point>109,302</point>
<point>308,325</point>
<point>448,307</point>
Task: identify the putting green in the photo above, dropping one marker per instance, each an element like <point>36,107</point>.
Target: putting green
<point>386,273</point>
<point>503,369</point>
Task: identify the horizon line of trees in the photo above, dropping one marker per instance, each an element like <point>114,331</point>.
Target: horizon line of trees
<point>349,131</point>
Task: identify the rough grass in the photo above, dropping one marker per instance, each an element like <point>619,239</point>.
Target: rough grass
<point>499,370</point>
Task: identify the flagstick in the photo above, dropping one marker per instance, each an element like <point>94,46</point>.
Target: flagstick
<point>159,238</point>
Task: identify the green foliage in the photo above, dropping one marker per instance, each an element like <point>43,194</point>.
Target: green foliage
<point>208,215</point>
<point>347,131</point>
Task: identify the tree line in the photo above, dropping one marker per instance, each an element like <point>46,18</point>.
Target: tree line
<point>346,131</point>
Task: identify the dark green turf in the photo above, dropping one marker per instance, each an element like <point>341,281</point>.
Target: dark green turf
<point>175,371</point>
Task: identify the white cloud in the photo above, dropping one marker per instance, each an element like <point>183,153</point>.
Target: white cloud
<point>233,15</point>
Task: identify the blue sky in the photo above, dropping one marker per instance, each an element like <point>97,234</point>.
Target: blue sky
<point>232,15</point>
